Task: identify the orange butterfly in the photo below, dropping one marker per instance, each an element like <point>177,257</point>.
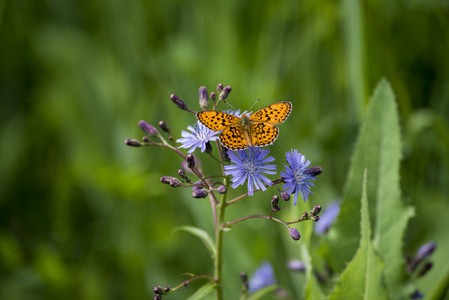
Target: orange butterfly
<point>257,130</point>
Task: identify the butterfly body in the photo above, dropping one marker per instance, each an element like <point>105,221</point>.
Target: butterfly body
<point>256,130</point>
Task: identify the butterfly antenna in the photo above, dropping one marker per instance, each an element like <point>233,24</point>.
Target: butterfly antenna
<point>253,104</point>
<point>229,104</point>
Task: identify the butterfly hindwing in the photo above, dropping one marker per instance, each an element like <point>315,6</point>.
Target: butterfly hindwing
<point>234,137</point>
<point>275,113</point>
<point>216,120</point>
<point>263,134</point>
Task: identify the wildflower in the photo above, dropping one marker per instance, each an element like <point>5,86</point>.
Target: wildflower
<point>327,218</point>
<point>249,165</point>
<point>198,137</point>
<point>262,277</point>
<point>295,176</point>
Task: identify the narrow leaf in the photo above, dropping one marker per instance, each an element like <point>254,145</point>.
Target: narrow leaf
<point>203,291</point>
<point>202,235</point>
<point>362,278</point>
<point>262,292</point>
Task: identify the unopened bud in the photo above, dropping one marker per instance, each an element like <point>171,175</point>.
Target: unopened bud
<point>190,160</point>
<point>157,297</point>
<point>201,193</point>
<point>208,148</point>
<point>275,200</point>
<point>224,154</point>
<point>133,143</point>
<point>213,96</point>
<point>175,183</point>
<point>157,290</point>
<point>425,268</point>
<point>314,171</point>
<point>148,129</point>
<point>219,87</point>
<point>315,218</point>
<point>179,103</point>
<point>172,181</point>
<point>294,233</point>
<point>164,127</point>
<point>224,93</point>
<point>167,289</point>
<point>296,265</point>
<point>315,210</point>
<point>198,185</point>
<point>203,97</point>
<point>221,189</point>
<point>145,139</point>
<point>285,195</point>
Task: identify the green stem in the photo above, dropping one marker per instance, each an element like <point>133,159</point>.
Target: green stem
<point>219,243</point>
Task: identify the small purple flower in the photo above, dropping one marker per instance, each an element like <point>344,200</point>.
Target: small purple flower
<point>327,217</point>
<point>249,165</point>
<point>295,178</point>
<point>262,277</point>
<point>198,137</point>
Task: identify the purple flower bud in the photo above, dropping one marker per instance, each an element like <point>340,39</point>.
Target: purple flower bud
<point>275,200</point>
<point>244,276</point>
<point>133,143</point>
<point>190,160</point>
<point>201,193</point>
<point>166,179</point>
<point>213,96</point>
<point>294,233</point>
<point>425,250</point>
<point>219,87</point>
<point>285,195</point>
<point>204,98</point>
<point>157,297</point>
<point>224,93</point>
<point>296,265</point>
<point>164,127</point>
<point>157,290</point>
<point>198,185</point>
<point>221,189</point>
<point>145,139</point>
<point>305,215</point>
<point>315,210</point>
<point>315,219</point>
<point>427,266</point>
<point>179,103</point>
<point>167,289</point>
<point>314,171</point>
<point>208,148</point>
<point>175,182</point>
<point>148,129</point>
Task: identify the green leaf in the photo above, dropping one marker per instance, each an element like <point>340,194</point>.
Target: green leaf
<point>362,278</point>
<point>203,291</point>
<point>262,292</point>
<point>202,235</point>
<point>378,151</point>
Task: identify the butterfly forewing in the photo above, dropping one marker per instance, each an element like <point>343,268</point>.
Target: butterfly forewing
<point>275,113</point>
<point>234,137</point>
<point>216,120</point>
<point>263,134</point>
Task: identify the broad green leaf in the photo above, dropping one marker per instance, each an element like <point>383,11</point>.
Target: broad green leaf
<point>378,151</point>
<point>391,213</point>
<point>202,235</point>
<point>362,278</point>
<point>203,291</point>
<point>262,292</point>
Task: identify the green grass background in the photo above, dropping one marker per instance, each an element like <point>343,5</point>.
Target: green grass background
<point>82,216</point>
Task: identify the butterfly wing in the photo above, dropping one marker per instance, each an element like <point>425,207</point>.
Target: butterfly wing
<point>263,134</point>
<point>234,137</point>
<point>216,120</point>
<point>275,113</point>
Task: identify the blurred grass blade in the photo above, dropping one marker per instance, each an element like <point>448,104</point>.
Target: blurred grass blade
<point>202,235</point>
<point>262,292</point>
<point>362,278</point>
<point>203,291</point>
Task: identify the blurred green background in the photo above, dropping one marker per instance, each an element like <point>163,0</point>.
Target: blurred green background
<point>82,216</point>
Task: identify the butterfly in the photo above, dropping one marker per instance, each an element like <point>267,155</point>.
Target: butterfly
<point>257,130</point>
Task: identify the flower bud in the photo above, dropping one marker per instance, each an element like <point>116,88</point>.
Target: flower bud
<point>148,129</point>
<point>219,87</point>
<point>204,98</point>
<point>157,290</point>
<point>133,143</point>
<point>208,148</point>
<point>305,215</point>
<point>221,189</point>
<point>164,127</point>
<point>425,268</point>
<point>224,93</point>
<point>315,210</point>
<point>190,160</point>
<point>201,193</point>
<point>285,195</point>
<point>315,218</point>
<point>275,200</point>
<point>314,171</point>
<point>296,265</point>
<point>198,185</point>
<point>425,251</point>
<point>157,297</point>
<point>172,181</point>
<point>145,139</point>
<point>179,103</point>
<point>213,96</point>
<point>167,289</point>
<point>294,233</point>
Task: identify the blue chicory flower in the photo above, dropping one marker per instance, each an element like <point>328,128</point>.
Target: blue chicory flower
<point>295,176</point>
<point>327,217</point>
<point>249,166</point>
<point>262,277</point>
<point>198,137</point>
